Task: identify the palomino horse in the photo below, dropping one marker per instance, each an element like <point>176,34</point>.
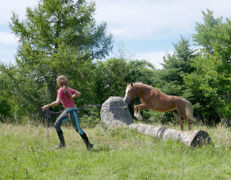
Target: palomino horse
<point>154,99</point>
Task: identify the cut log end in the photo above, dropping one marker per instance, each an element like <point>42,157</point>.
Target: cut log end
<point>200,139</point>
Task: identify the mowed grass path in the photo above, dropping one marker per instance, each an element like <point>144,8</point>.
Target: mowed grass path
<point>118,154</point>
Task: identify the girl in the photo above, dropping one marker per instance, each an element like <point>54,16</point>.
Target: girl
<point>65,96</point>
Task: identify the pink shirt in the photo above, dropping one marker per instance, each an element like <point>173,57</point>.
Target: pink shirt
<point>66,101</point>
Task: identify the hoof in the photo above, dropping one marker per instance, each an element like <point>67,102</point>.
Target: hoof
<point>138,116</point>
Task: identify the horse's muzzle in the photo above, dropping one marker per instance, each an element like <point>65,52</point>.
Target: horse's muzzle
<point>126,100</point>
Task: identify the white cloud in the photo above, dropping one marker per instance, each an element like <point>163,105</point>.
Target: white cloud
<point>156,57</point>
<point>145,19</point>
<point>7,38</point>
<point>18,6</point>
<point>8,45</point>
<point>8,41</point>
<point>7,55</point>
<point>138,20</point>
<point>155,20</point>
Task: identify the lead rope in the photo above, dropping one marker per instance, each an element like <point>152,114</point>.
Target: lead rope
<point>48,114</point>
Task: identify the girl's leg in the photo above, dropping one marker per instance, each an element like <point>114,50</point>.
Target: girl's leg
<point>73,116</point>
<point>60,120</point>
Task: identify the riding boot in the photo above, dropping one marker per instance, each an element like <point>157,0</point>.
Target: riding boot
<point>61,139</point>
<point>86,141</point>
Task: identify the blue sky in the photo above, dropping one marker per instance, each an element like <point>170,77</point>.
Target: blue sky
<point>143,29</point>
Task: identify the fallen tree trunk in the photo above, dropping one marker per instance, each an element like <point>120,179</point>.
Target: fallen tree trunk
<point>190,138</point>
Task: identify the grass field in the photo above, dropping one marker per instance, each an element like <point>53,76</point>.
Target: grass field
<point>25,153</point>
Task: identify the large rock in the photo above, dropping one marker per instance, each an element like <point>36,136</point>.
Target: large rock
<point>114,112</point>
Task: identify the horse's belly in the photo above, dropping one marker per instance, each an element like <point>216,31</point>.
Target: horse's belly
<point>163,103</point>
<point>164,109</point>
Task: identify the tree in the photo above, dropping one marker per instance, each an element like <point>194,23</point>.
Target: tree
<point>5,98</point>
<point>140,71</point>
<point>170,78</point>
<point>58,37</point>
<point>111,78</point>
<point>212,77</point>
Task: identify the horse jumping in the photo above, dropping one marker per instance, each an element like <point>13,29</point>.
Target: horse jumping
<point>154,99</point>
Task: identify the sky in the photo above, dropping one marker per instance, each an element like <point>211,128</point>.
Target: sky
<point>141,29</point>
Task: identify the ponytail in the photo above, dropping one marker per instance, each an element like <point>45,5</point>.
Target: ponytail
<point>66,91</point>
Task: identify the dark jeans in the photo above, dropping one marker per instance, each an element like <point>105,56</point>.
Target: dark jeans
<point>72,115</point>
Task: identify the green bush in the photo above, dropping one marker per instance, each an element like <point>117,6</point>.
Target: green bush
<point>5,110</point>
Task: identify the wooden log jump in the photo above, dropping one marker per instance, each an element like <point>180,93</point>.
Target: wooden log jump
<point>191,138</point>
<point>113,115</point>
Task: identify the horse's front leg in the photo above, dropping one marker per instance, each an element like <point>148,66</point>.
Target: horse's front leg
<point>138,109</point>
<point>137,112</point>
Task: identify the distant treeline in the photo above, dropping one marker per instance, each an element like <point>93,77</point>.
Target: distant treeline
<point>62,37</point>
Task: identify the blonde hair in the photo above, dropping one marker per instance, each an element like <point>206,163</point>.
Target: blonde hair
<point>63,82</point>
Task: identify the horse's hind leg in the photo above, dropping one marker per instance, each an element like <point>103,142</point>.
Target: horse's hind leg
<point>178,118</point>
<point>189,114</point>
<point>189,123</point>
<point>190,119</point>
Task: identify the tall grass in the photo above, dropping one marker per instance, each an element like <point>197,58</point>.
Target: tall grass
<point>122,153</point>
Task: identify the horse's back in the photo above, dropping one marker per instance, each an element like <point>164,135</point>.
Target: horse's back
<point>180,101</point>
<point>161,102</point>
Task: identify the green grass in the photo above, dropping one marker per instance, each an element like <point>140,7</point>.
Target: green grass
<point>118,154</point>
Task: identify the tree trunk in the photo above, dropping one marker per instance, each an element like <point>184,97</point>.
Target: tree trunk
<point>190,138</point>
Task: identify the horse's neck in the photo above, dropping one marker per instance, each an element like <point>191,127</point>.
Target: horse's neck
<point>141,90</point>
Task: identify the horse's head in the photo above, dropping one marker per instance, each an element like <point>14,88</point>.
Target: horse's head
<point>130,93</point>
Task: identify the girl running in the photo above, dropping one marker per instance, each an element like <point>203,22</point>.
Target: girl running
<point>65,96</point>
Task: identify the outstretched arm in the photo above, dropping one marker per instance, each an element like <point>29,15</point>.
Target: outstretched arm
<point>55,103</point>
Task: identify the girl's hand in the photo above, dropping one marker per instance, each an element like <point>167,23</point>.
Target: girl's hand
<point>45,107</point>
<point>76,94</point>
<point>55,103</point>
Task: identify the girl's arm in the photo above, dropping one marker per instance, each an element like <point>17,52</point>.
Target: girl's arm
<point>76,94</point>
<point>55,103</point>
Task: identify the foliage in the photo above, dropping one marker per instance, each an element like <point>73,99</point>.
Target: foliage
<point>170,78</point>
<point>5,110</point>
<point>140,71</point>
<point>111,78</point>
<point>211,81</point>
<point>10,91</point>
<point>57,37</point>
<point>5,98</point>
<point>90,117</point>
<point>62,37</point>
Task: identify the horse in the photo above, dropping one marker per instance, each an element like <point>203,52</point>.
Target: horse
<point>152,98</point>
